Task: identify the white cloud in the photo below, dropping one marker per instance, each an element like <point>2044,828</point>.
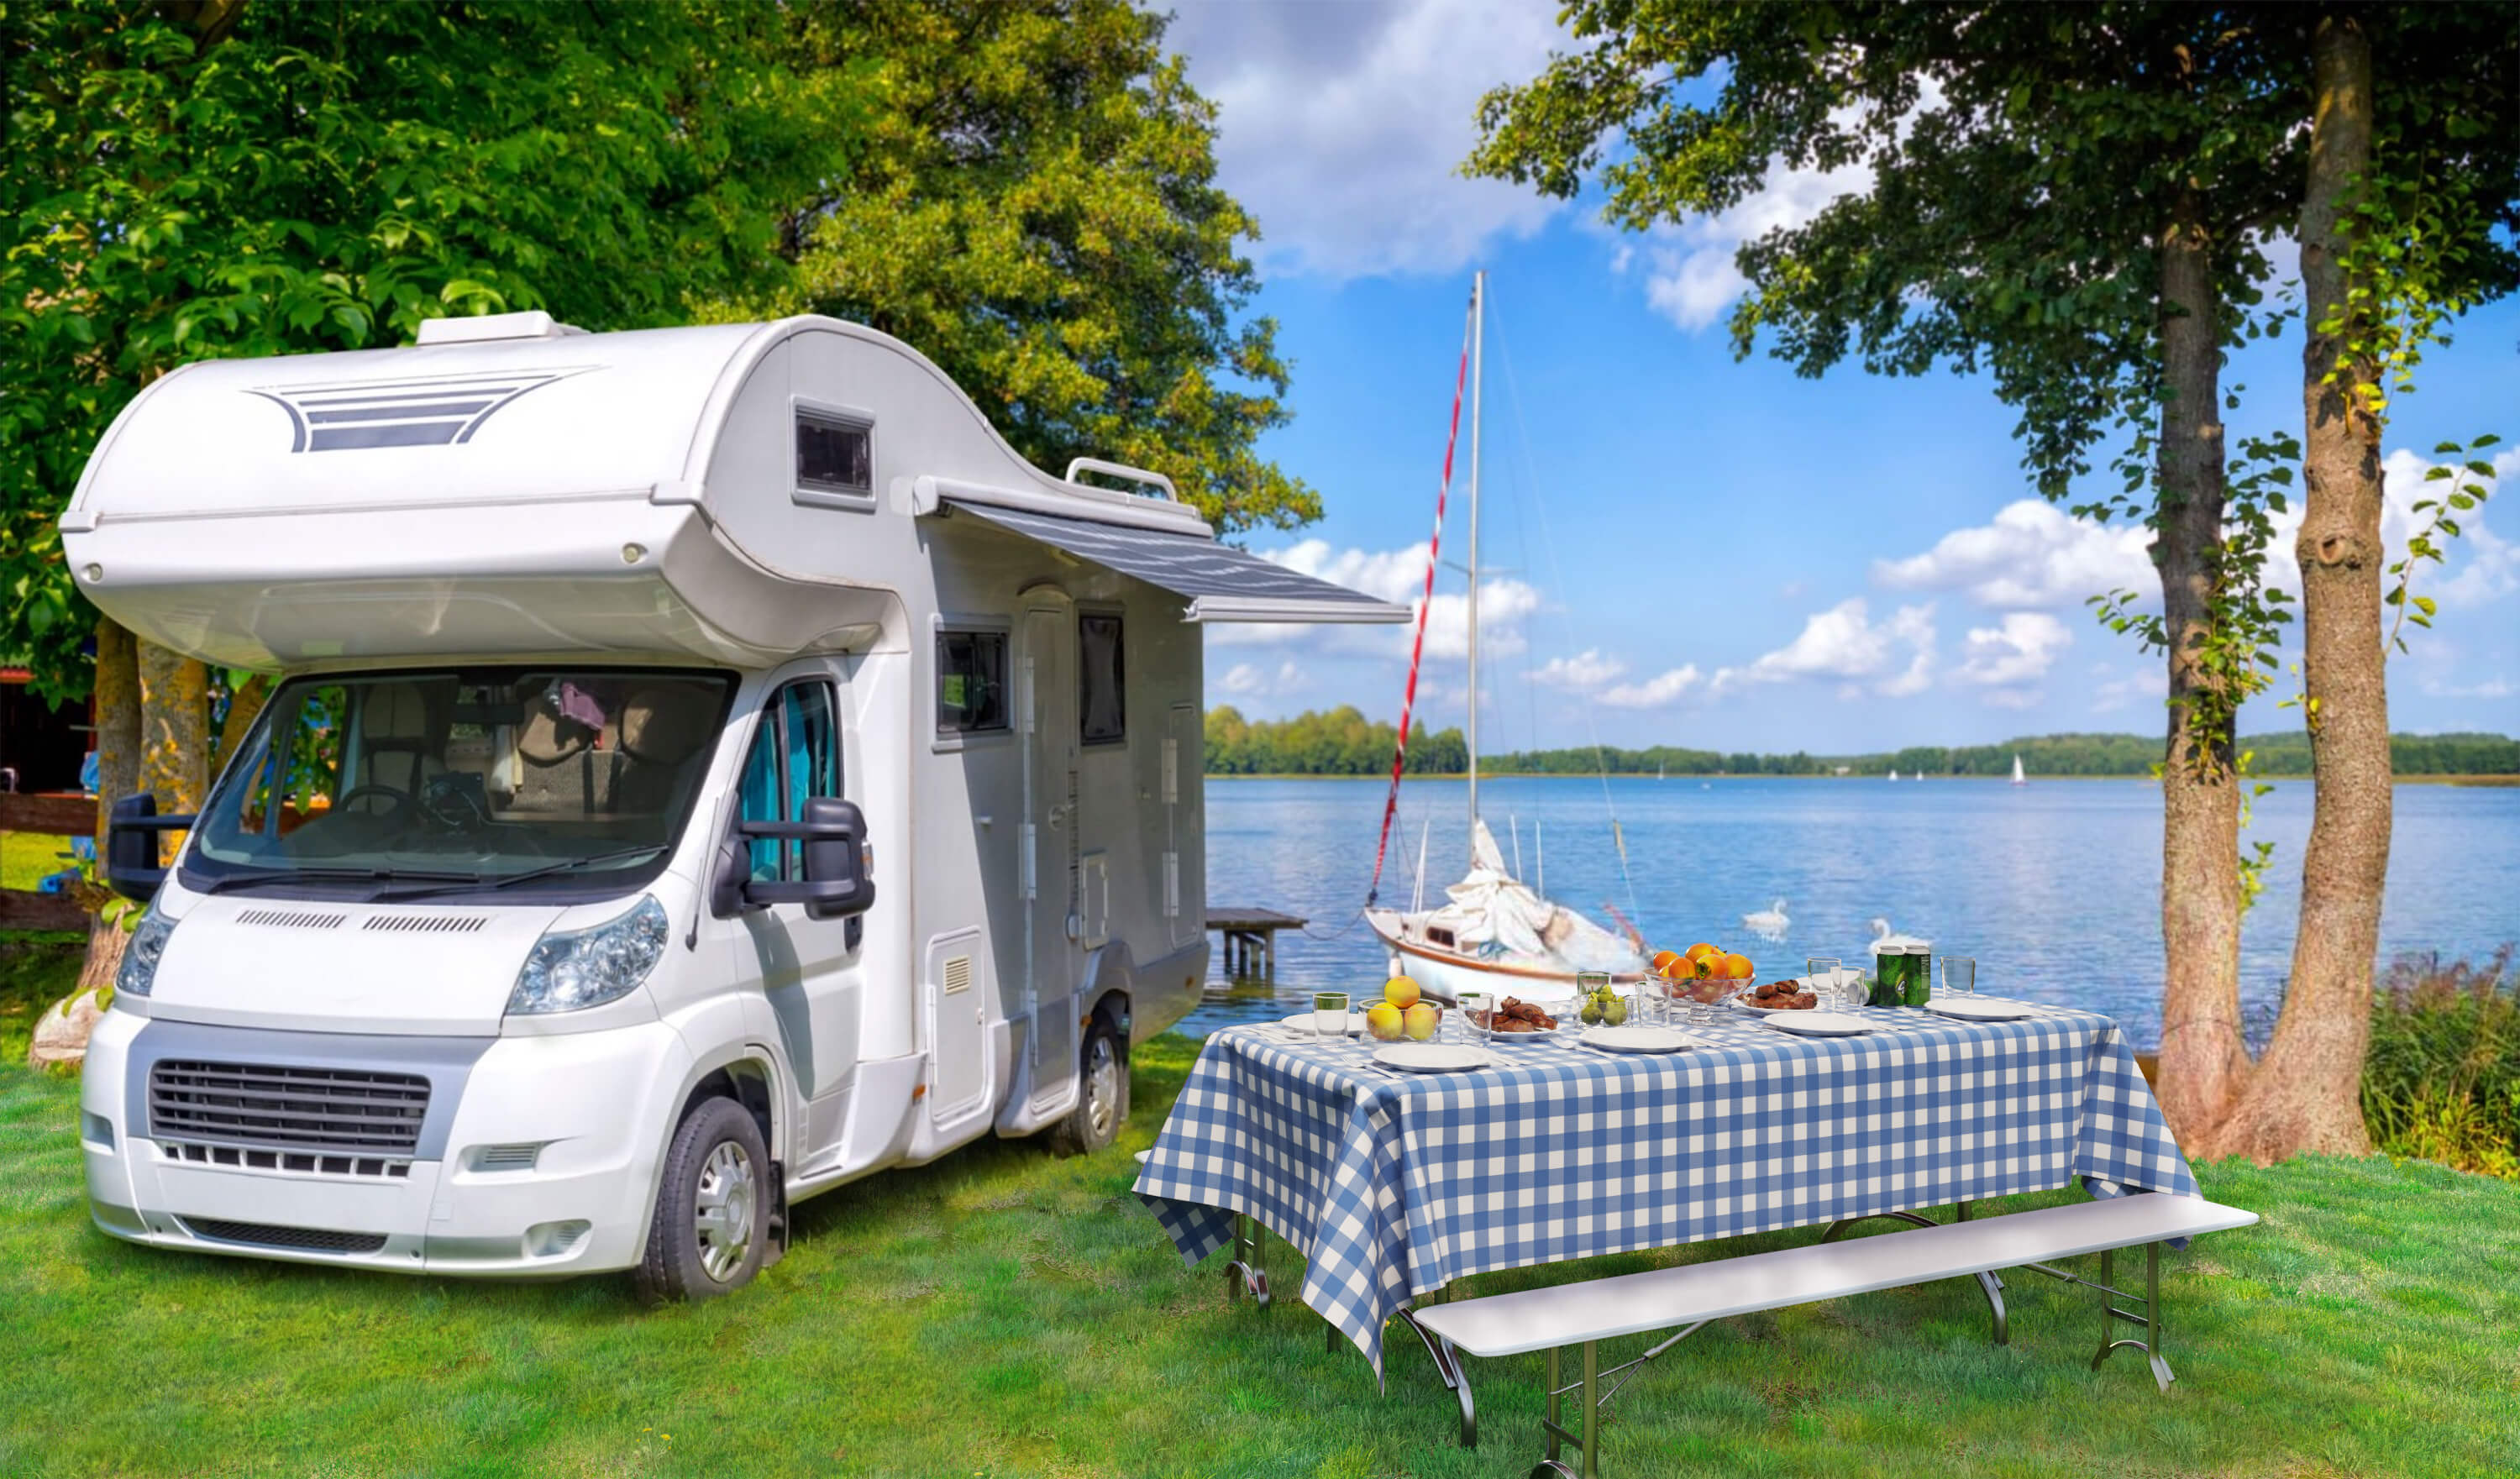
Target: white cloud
<point>1844,643</point>
<point>1581,673</point>
<point>1690,275</point>
<point>1654,693</point>
<point>1398,576</point>
<point>1245,681</point>
<point>2015,653</point>
<point>1341,126</point>
<point>2030,554</point>
<point>2150,683</point>
<point>2484,567</point>
<point>2492,688</point>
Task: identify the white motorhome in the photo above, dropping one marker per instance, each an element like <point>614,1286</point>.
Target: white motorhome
<point>708,765</point>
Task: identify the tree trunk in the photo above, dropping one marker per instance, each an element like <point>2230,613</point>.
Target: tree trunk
<point>243,705</point>
<point>116,698</point>
<point>174,733</point>
<point>2306,1094</point>
<point>2204,1061</point>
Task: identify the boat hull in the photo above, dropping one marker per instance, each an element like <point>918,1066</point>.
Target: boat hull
<point>1445,974</point>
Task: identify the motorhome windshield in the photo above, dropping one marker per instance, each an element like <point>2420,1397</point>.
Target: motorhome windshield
<point>538,779</point>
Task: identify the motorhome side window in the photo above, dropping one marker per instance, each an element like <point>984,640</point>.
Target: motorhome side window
<point>1101,712</point>
<point>971,682</point>
<point>833,455</point>
<point>470,776</point>
<point>795,754</point>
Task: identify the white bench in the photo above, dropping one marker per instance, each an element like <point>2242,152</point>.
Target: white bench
<point>1586,1314</point>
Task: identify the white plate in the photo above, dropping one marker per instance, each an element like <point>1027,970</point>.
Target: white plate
<point>1304,1022</point>
<point>1637,1039</point>
<point>1818,1023</point>
<point>1433,1058</point>
<point>1980,1008</point>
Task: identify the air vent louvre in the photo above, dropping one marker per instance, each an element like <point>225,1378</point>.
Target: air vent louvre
<point>292,919</point>
<point>958,975</point>
<point>266,1234</point>
<point>428,923</point>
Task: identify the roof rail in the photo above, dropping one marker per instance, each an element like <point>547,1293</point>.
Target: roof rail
<point>1121,471</point>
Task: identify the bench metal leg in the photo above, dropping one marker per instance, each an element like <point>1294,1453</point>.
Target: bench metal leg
<point>2151,1318</point>
<point>1248,1267</point>
<point>1587,1454</point>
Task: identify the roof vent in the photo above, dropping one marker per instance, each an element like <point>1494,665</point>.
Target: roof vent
<point>474,329</point>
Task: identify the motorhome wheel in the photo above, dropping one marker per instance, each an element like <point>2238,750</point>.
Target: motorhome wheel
<point>1094,1122</point>
<point>712,1217</point>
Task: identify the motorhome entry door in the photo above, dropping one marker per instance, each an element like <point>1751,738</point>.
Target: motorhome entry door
<point>1050,865</point>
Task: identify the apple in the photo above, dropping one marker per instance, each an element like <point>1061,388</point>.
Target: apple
<point>1382,1020</point>
<point>1419,1020</point>
<point>1401,992</point>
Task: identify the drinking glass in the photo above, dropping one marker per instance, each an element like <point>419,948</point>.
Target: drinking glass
<point>1960,975</point>
<point>1330,1014</point>
<point>1474,1009</point>
<point>1833,991</point>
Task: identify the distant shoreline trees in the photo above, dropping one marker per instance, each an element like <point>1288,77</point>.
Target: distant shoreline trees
<point>1342,742</point>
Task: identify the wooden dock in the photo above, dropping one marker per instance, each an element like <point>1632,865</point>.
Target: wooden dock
<point>1250,934</point>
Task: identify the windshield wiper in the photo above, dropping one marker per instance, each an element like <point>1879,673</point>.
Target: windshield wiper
<point>504,880</point>
<point>249,877</point>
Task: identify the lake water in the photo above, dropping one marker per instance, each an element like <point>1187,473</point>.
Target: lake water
<point>2054,886</point>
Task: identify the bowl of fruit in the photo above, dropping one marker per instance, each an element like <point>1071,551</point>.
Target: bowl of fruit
<point>1403,1013</point>
<point>1703,974</point>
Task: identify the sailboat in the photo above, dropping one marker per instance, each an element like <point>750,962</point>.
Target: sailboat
<point>1492,933</point>
<point>2017,778</point>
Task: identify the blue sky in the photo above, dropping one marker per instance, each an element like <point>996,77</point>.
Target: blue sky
<point>1685,547</point>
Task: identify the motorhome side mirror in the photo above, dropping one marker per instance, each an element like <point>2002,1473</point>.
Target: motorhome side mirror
<point>836,883</point>
<point>131,866</point>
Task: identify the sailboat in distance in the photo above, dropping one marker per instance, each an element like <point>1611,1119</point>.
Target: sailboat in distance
<point>2018,778</point>
<point>1492,933</point>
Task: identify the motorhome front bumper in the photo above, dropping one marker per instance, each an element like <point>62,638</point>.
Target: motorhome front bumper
<point>447,1155</point>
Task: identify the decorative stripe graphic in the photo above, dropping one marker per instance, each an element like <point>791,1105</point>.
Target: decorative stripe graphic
<point>435,412</point>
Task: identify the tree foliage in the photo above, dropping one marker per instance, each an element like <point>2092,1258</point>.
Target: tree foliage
<point>209,180</point>
<point>1035,207</point>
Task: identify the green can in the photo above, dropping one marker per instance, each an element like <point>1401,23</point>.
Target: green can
<point>1919,975</point>
<point>1890,976</point>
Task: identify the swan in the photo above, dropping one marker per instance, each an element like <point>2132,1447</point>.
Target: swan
<point>1883,939</point>
<point>1767,923</point>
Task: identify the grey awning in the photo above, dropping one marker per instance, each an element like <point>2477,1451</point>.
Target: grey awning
<point>1223,583</point>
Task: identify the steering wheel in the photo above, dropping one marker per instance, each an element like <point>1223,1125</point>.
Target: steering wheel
<point>400,798</point>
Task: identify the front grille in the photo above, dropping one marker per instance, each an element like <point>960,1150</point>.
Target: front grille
<point>183,1152</point>
<point>340,1110</point>
<point>266,1236</point>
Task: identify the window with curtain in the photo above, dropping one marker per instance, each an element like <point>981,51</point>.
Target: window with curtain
<point>795,754</point>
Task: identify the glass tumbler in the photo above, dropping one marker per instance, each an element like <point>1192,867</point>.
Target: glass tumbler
<point>1476,1015</point>
<point>1821,972</point>
<point>1960,975</point>
<point>1329,1015</point>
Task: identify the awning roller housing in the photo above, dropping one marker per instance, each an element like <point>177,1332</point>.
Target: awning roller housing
<point>1222,583</point>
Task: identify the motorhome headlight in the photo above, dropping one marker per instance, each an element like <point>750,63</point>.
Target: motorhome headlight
<point>571,970</point>
<point>141,954</point>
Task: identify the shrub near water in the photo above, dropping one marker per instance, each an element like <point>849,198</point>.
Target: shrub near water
<point>2443,1079</point>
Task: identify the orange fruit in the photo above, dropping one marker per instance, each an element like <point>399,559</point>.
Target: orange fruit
<point>1738,967</point>
<point>1666,963</point>
<point>1700,949</point>
<point>1400,992</point>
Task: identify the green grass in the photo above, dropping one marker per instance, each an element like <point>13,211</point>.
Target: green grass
<point>36,969</point>
<point>1004,1313</point>
<point>28,858</point>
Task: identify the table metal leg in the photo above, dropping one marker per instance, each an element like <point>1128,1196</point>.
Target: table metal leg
<point>1990,1283</point>
<point>1247,1269</point>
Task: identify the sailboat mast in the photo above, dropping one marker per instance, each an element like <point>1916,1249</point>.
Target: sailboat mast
<point>1478,336</point>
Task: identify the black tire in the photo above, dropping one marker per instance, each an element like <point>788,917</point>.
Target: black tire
<point>716,1154</point>
<point>1103,1098</point>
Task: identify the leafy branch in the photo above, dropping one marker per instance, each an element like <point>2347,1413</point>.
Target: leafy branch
<point>2470,477</point>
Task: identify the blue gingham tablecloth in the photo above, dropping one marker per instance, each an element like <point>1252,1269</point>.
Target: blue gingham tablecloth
<point>1393,1187</point>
